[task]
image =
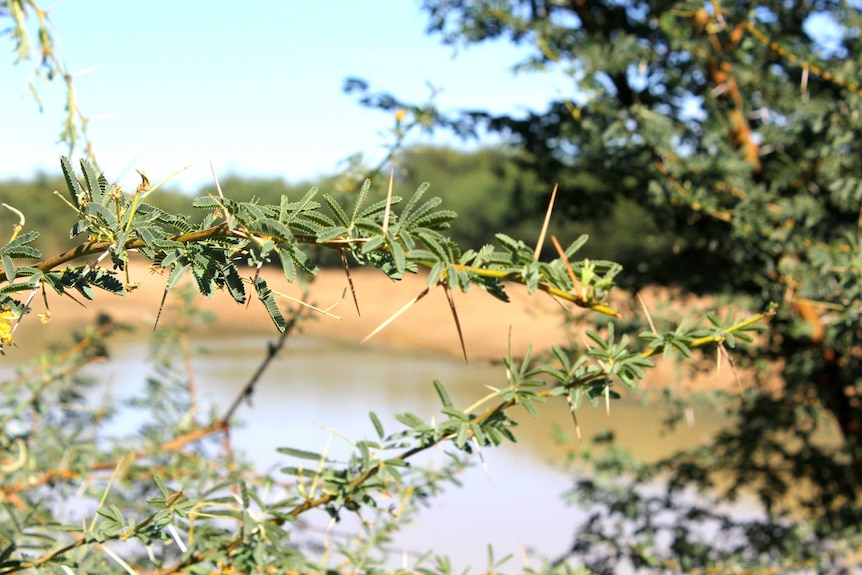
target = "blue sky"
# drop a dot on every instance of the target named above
(255, 87)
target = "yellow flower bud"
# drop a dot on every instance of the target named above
(8, 317)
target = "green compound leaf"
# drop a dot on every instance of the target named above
(378, 427)
(18, 247)
(336, 210)
(265, 295)
(76, 193)
(444, 396)
(410, 420)
(300, 453)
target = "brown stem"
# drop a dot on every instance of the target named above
(271, 353)
(90, 248)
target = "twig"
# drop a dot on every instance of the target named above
(647, 314)
(537, 252)
(395, 316)
(388, 210)
(349, 281)
(271, 353)
(455, 317)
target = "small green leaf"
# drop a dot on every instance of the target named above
(372, 244)
(287, 264)
(72, 183)
(462, 437)
(18, 247)
(207, 203)
(299, 472)
(455, 413)
(378, 427)
(360, 199)
(376, 208)
(410, 420)
(176, 275)
(9, 268)
(413, 218)
(336, 210)
(397, 251)
(364, 453)
(420, 191)
(576, 245)
(331, 233)
(92, 181)
(161, 485)
(300, 453)
(436, 272)
(265, 295)
(442, 393)
(304, 204)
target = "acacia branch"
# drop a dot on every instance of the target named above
(97, 247)
(225, 231)
(508, 404)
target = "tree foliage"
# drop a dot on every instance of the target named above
(738, 126)
(498, 186)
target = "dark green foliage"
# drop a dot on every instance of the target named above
(741, 134)
(504, 190)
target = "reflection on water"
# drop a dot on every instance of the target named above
(317, 386)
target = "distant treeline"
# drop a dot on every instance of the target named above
(490, 189)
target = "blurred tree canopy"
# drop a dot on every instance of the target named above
(500, 189)
(737, 126)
